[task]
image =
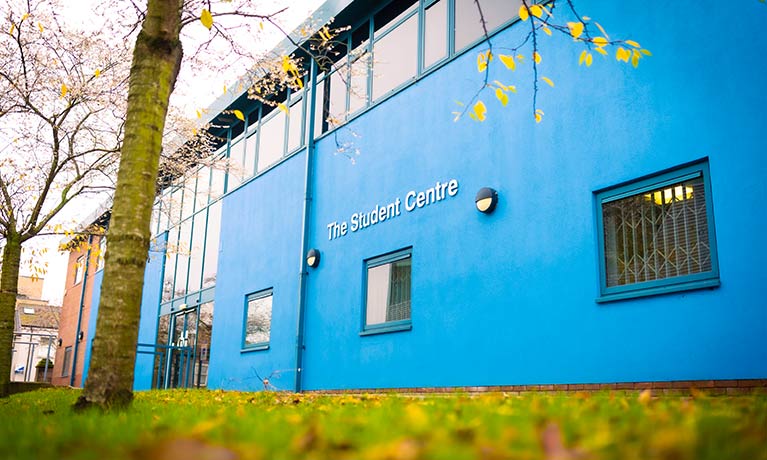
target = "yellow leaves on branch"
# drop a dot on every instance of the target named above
(508, 61)
(523, 13)
(576, 29)
(483, 59)
(238, 114)
(478, 111)
(206, 18)
(64, 90)
(538, 115)
(535, 10)
(536, 57)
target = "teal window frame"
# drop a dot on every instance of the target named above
(388, 326)
(709, 279)
(248, 298)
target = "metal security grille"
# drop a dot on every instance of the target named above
(398, 305)
(657, 234)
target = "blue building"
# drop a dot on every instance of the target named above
(346, 247)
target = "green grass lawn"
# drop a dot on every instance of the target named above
(213, 425)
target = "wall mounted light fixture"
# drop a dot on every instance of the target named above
(313, 258)
(486, 200)
(80, 336)
(60, 341)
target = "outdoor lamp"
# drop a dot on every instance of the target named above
(80, 336)
(486, 200)
(60, 341)
(313, 258)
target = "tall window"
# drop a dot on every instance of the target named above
(657, 235)
(79, 269)
(258, 320)
(67, 362)
(387, 292)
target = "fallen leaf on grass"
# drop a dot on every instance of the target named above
(185, 449)
(553, 445)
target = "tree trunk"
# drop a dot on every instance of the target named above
(9, 286)
(156, 61)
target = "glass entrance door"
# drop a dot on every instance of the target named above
(183, 348)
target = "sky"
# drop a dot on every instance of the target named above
(196, 89)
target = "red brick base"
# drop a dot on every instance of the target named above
(681, 387)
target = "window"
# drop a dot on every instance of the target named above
(468, 26)
(67, 362)
(258, 320)
(79, 269)
(656, 235)
(387, 293)
(102, 252)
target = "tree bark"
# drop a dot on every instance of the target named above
(156, 61)
(9, 286)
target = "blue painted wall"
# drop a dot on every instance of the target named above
(509, 298)
(260, 249)
(94, 313)
(148, 322)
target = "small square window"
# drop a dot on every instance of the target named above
(656, 235)
(67, 362)
(387, 292)
(258, 320)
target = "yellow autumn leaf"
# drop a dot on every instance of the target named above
(508, 61)
(523, 13)
(97, 73)
(589, 59)
(24, 16)
(261, 26)
(546, 30)
(40, 27)
(600, 41)
(548, 81)
(239, 115)
(503, 97)
(635, 59)
(632, 43)
(576, 28)
(478, 111)
(536, 57)
(536, 11)
(602, 29)
(199, 114)
(601, 51)
(224, 89)
(582, 57)
(646, 52)
(538, 117)
(206, 18)
(13, 28)
(282, 107)
(621, 54)
(64, 90)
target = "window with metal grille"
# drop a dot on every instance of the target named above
(657, 235)
(387, 292)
